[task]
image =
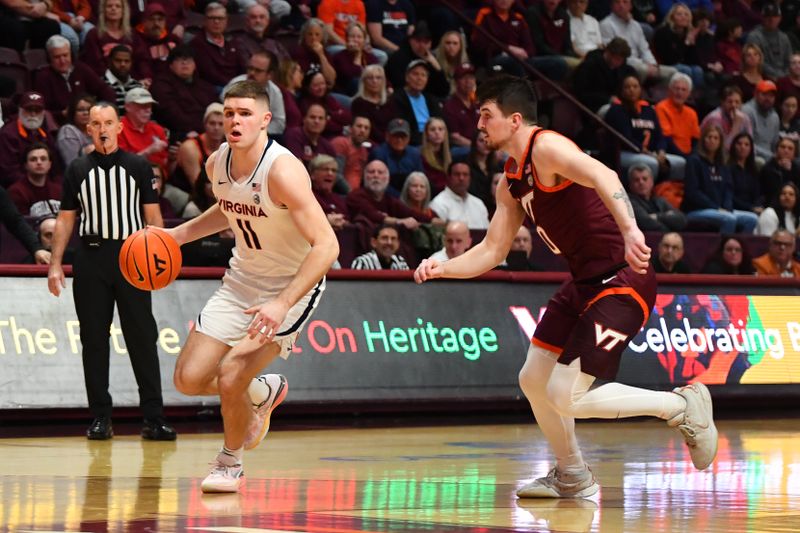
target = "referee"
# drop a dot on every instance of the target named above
(115, 194)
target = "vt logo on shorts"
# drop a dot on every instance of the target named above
(602, 334)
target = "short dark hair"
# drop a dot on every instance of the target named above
(379, 228)
(454, 163)
(120, 48)
(247, 89)
(182, 51)
(35, 146)
(511, 94)
(619, 47)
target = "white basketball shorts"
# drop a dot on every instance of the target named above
(223, 316)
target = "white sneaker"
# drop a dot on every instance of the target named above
(696, 424)
(223, 478)
(259, 424)
(558, 485)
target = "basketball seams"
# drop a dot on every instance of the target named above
(147, 260)
(172, 259)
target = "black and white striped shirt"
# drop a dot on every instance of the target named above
(370, 261)
(109, 190)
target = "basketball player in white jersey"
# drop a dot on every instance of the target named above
(284, 247)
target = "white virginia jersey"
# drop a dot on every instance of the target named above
(268, 243)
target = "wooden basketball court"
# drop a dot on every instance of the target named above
(459, 479)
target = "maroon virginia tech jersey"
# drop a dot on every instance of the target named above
(570, 218)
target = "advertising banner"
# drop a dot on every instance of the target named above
(394, 340)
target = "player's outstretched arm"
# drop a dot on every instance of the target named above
(65, 222)
(557, 155)
(490, 252)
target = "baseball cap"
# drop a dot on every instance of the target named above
(152, 8)
(44, 209)
(765, 86)
(139, 95)
(463, 69)
(421, 31)
(398, 125)
(31, 99)
(771, 10)
(417, 63)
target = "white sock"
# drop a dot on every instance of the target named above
(230, 457)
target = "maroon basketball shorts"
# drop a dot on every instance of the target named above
(595, 321)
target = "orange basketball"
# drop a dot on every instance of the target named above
(150, 259)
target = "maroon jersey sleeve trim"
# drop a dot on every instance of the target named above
(630, 291)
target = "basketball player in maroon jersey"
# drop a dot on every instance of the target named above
(581, 211)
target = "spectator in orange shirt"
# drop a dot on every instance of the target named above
(779, 259)
(354, 150)
(679, 124)
(141, 135)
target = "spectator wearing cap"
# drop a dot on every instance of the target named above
(461, 111)
(38, 184)
(17, 135)
(764, 119)
(24, 21)
(415, 49)
(218, 57)
(259, 69)
(255, 35)
(63, 78)
(400, 158)
(413, 102)
(174, 13)
(390, 22)
(182, 95)
(44, 215)
(154, 36)
(774, 44)
(118, 74)
(140, 134)
(306, 141)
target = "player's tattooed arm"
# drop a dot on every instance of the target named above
(622, 195)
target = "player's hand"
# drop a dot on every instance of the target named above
(637, 253)
(267, 318)
(428, 269)
(55, 280)
(171, 232)
(42, 257)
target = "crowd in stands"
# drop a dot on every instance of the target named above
(377, 98)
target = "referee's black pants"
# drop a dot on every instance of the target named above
(97, 284)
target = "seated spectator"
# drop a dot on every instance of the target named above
(338, 16)
(652, 213)
(790, 124)
(45, 227)
(373, 204)
(38, 185)
(451, 53)
(385, 243)
(549, 23)
(174, 12)
(670, 255)
(183, 96)
(353, 151)
(519, 256)
(728, 46)
(461, 111)
(259, 70)
(17, 135)
(19, 228)
(743, 10)
(728, 117)
(118, 74)
(620, 23)
(705, 54)
(731, 258)
(783, 214)
(584, 29)
(154, 37)
(315, 91)
(217, 56)
(26, 21)
(782, 168)
(752, 71)
(201, 197)
(417, 49)
(772, 41)
(255, 36)
(194, 151)
(172, 200)
(310, 50)
(371, 101)
(764, 120)
(350, 62)
(455, 203)
(779, 259)
(742, 165)
(637, 121)
(483, 163)
(50, 81)
(601, 72)
(416, 194)
(674, 43)
(74, 18)
(435, 153)
(73, 140)
(323, 169)
(457, 240)
(678, 121)
(114, 28)
(413, 103)
(390, 22)
(140, 134)
(289, 80)
(307, 141)
(400, 158)
(708, 196)
(790, 85)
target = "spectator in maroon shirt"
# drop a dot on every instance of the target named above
(461, 111)
(315, 91)
(17, 135)
(350, 62)
(37, 185)
(323, 169)
(113, 28)
(307, 141)
(25, 21)
(154, 36)
(218, 57)
(61, 79)
(289, 79)
(255, 37)
(310, 50)
(371, 101)
(173, 11)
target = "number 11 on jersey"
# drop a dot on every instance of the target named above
(250, 237)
